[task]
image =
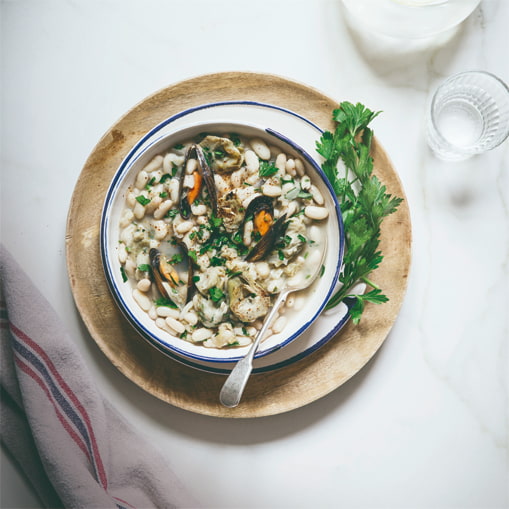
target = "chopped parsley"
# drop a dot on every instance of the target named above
(267, 169)
(163, 301)
(141, 199)
(216, 294)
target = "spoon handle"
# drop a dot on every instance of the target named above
(236, 382)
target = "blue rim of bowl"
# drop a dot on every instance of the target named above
(170, 350)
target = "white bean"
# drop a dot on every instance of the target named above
(191, 165)
(271, 190)
(317, 195)
(201, 334)
(275, 285)
(260, 148)
(130, 268)
(170, 160)
(191, 318)
(299, 167)
(305, 183)
(139, 211)
(199, 210)
(290, 167)
(160, 230)
(155, 164)
(165, 311)
(163, 208)
(237, 178)
(142, 258)
(175, 325)
(221, 184)
(243, 340)
(141, 179)
(184, 227)
(317, 213)
(161, 323)
(281, 162)
(142, 300)
(287, 186)
(144, 285)
(263, 269)
(153, 204)
(189, 181)
(279, 325)
(131, 199)
(152, 313)
(122, 253)
(291, 209)
(252, 162)
(173, 188)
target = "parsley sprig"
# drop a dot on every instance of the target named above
(363, 199)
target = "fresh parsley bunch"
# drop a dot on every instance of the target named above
(363, 199)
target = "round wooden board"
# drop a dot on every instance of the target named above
(271, 393)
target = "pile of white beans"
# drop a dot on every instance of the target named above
(153, 220)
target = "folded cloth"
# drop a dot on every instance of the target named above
(73, 446)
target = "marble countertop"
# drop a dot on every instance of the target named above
(425, 423)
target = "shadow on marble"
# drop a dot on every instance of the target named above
(220, 430)
(402, 61)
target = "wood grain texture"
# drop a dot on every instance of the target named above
(271, 393)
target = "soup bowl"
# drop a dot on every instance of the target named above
(194, 252)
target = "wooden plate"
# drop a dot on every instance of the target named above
(271, 393)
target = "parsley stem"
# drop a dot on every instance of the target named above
(370, 283)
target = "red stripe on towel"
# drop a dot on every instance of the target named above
(100, 468)
(32, 374)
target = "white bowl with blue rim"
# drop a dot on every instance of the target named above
(277, 127)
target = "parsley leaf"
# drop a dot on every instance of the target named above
(267, 169)
(216, 294)
(141, 199)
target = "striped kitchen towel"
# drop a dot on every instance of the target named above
(74, 448)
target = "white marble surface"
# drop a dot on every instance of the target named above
(425, 423)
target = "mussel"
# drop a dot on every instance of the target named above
(248, 300)
(223, 155)
(167, 279)
(202, 175)
(261, 211)
(268, 241)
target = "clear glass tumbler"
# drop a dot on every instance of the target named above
(468, 115)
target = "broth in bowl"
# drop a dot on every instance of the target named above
(212, 230)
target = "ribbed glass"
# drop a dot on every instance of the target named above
(469, 114)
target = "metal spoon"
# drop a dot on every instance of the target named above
(233, 388)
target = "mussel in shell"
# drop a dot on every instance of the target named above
(261, 211)
(168, 280)
(202, 175)
(268, 241)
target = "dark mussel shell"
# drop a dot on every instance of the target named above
(258, 204)
(208, 178)
(166, 281)
(265, 245)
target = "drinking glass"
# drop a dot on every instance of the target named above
(468, 115)
(409, 19)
